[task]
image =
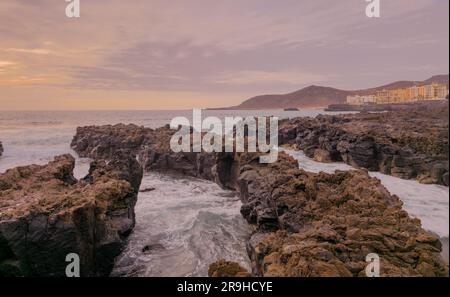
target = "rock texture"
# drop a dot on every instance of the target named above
(1, 149)
(326, 225)
(102, 142)
(45, 214)
(305, 224)
(410, 144)
(224, 268)
(152, 149)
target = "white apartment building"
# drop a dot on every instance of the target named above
(361, 100)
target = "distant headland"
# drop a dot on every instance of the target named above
(323, 97)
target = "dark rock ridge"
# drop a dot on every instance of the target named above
(45, 214)
(1, 149)
(410, 144)
(152, 148)
(305, 224)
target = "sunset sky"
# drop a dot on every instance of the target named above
(174, 54)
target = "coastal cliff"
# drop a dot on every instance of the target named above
(46, 214)
(305, 224)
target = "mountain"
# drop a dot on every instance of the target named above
(319, 96)
(440, 79)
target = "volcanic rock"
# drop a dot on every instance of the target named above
(224, 268)
(306, 224)
(46, 214)
(326, 225)
(410, 144)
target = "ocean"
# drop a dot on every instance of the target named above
(36, 137)
(186, 223)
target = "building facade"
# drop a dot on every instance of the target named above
(405, 95)
(361, 100)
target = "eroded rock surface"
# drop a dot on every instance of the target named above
(46, 214)
(152, 148)
(102, 142)
(326, 225)
(410, 144)
(224, 268)
(306, 224)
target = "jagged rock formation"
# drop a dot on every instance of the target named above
(152, 148)
(102, 142)
(326, 224)
(410, 144)
(45, 214)
(305, 224)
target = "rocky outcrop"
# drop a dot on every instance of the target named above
(224, 268)
(102, 142)
(46, 214)
(326, 225)
(305, 224)
(410, 144)
(1, 149)
(152, 148)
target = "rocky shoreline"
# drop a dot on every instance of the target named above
(46, 214)
(305, 224)
(382, 107)
(410, 144)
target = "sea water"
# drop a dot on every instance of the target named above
(181, 227)
(185, 223)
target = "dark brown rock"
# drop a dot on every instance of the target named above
(45, 214)
(329, 223)
(310, 224)
(224, 268)
(410, 144)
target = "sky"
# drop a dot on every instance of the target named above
(178, 54)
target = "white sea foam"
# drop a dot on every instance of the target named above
(187, 224)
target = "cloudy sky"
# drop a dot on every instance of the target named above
(172, 54)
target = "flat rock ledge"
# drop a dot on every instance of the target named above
(46, 214)
(305, 224)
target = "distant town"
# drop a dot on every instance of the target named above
(406, 95)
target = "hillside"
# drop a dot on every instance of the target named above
(319, 96)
